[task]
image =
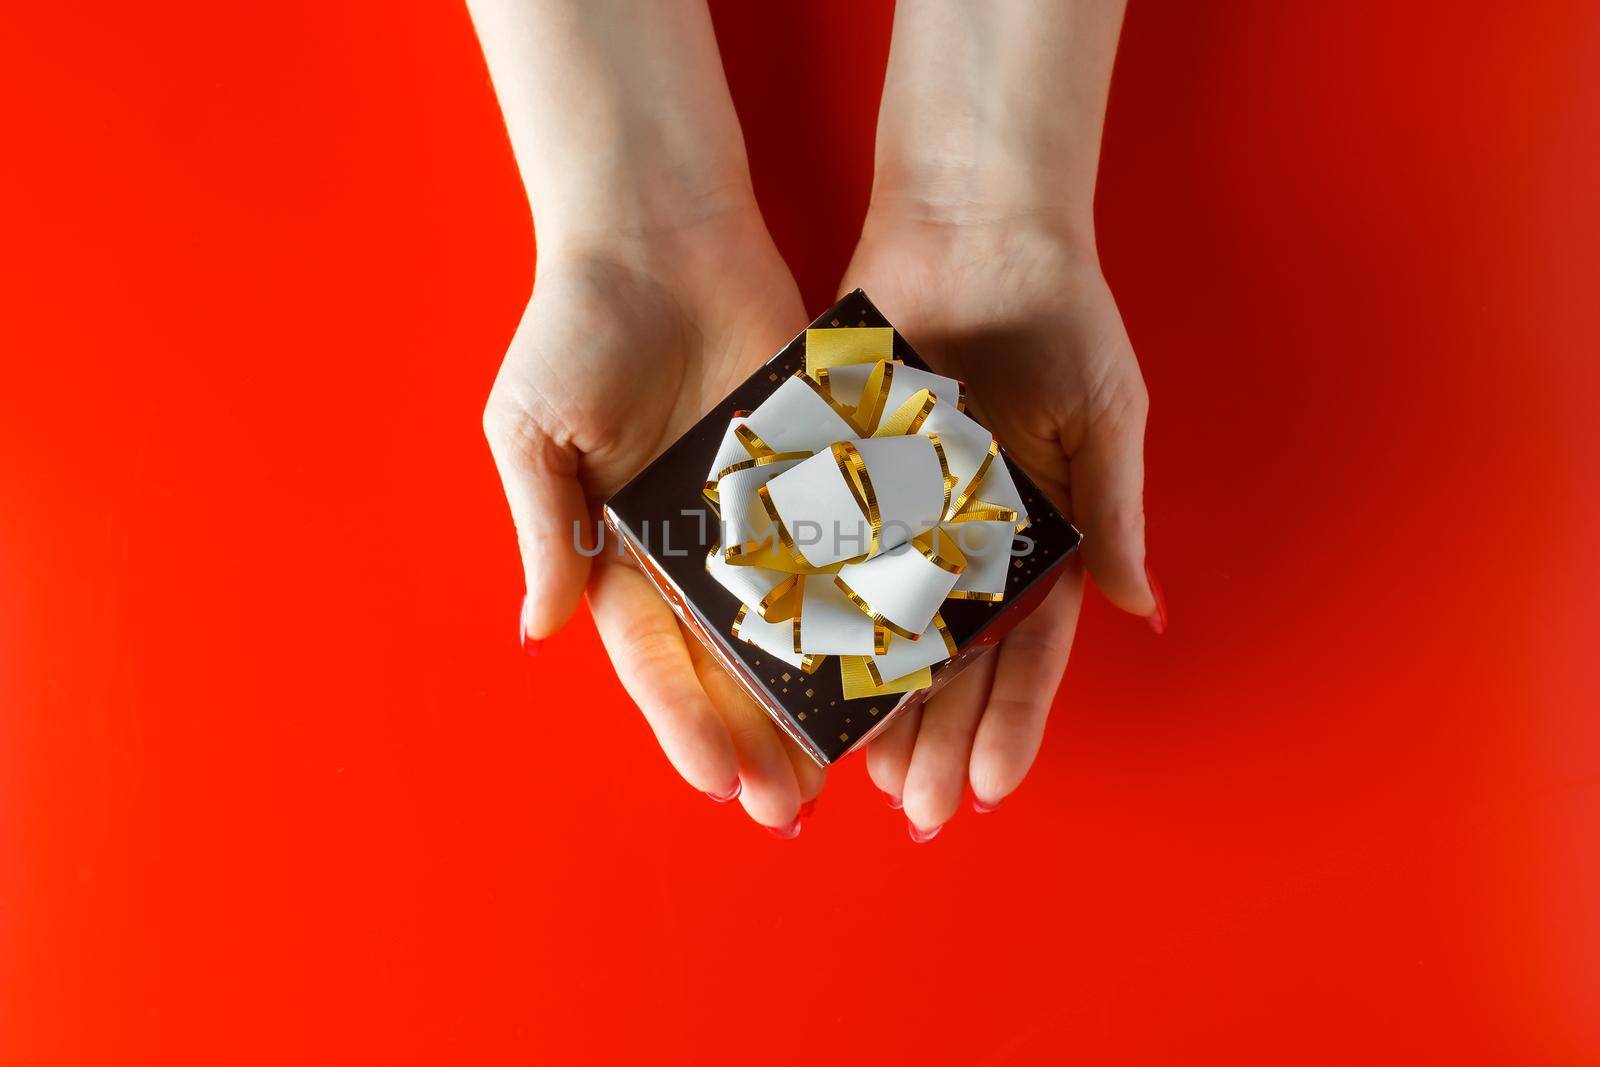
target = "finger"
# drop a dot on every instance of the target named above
(1026, 674)
(642, 638)
(938, 772)
(547, 506)
(810, 776)
(771, 795)
(889, 755)
(1108, 498)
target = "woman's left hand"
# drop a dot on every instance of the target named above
(1020, 313)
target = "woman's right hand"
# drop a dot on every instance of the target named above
(658, 290)
(631, 335)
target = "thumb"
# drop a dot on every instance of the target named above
(1108, 504)
(540, 477)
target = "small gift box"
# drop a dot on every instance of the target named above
(840, 534)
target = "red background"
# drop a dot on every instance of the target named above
(278, 786)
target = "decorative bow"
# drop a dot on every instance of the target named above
(854, 501)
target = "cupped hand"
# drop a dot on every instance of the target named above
(624, 345)
(1021, 313)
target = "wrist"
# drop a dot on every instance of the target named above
(993, 112)
(619, 119)
(958, 199)
(969, 171)
(977, 222)
(680, 248)
(633, 195)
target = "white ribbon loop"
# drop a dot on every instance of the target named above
(774, 638)
(1000, 489)
(904, 587)
(799, 416)
(987, 548)
(969, 449)
(859, 498)
(729, 452)
(772, 595)
(903, 657)
(829, 624)
(746, 526)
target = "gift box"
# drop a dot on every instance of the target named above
(840, 534)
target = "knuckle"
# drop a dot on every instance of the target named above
(701, 748)
(1011, 709)
(506, 424)
(537, 537)
(522, 437)
(1127, 524)
(1041, 652)
(652, 651)
(1130, 401)
(1118, 524)
(1122, 402)
(749, 733)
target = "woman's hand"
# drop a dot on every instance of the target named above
(979, 246)
(1018, 310)
(657, 291)
(624, 345)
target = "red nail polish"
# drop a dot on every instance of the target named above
(1157, 618)
(727, 794)
(981, 808)
(890, 799)
(788, 833)
(807, 808)
(919, 836)
(530, 646)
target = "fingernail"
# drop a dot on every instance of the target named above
(529, 645)
(727, 794)
(1157, 618)
(788, 833)
(807, 808)
(980, 807)
(890, 799)
(919, 836)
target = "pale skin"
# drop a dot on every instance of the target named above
(658, 290)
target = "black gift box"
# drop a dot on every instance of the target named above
(668, 527)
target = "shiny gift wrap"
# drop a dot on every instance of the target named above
(858, 536)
